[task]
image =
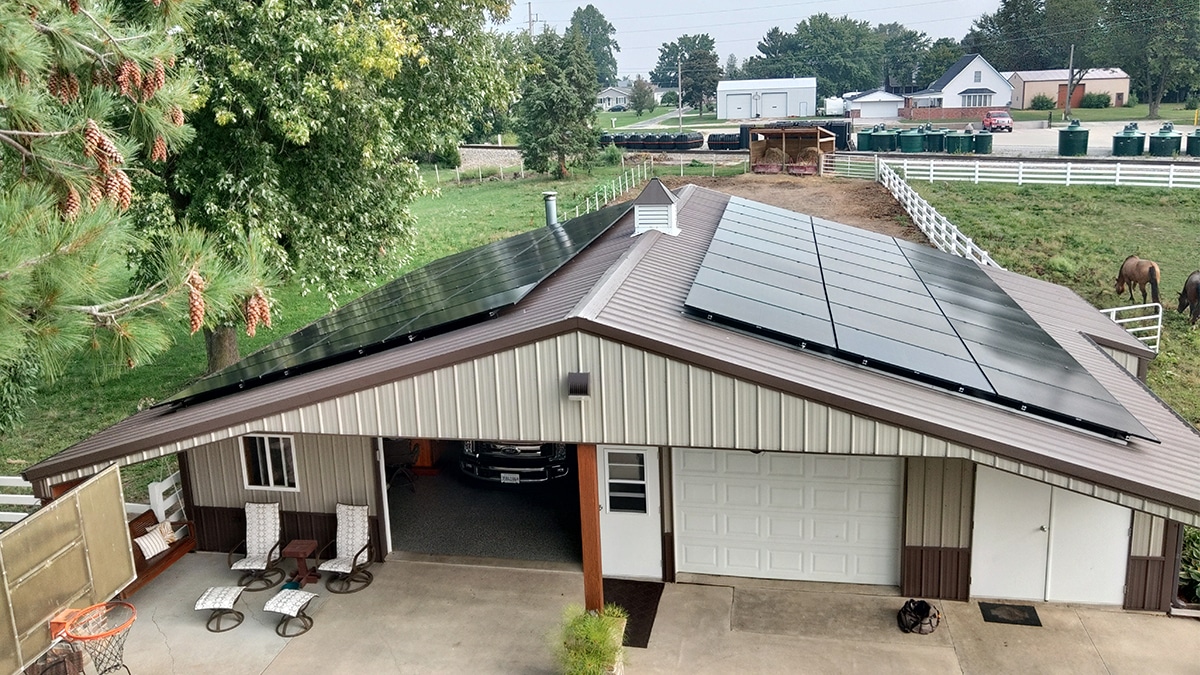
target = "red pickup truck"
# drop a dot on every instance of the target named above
(997, 120)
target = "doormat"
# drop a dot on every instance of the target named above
(640, 600)
(1021, 615)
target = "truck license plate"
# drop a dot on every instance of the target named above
(510, 478)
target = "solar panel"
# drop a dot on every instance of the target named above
(895, 306)
(445, 294)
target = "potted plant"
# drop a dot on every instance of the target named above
(1189, 574)
(590, 641)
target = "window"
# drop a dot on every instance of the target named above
(269, 462)
(626, 482)
(979, 76)
(976, 100)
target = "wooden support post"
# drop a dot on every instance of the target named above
(589, 527)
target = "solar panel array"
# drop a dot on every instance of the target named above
(895, 306)
(445, 294)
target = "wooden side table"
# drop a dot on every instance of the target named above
(301, 550)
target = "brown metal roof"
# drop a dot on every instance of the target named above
(632, 289)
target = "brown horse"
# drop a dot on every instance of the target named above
(1141, 272)
(1190, 295)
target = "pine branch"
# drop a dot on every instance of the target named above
(46, 30)
(7, 138)
(107, 313)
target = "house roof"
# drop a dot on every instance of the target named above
(1061, 74)
(940, 84)
(775, 83)
(632, 290)
(877, 94)
(977, 90)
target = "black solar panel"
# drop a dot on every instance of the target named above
(445, 294)
(895, 306)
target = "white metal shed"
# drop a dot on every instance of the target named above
(755, 99)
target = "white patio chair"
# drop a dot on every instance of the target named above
(260, 567)
(348, 570)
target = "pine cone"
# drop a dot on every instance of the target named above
(95, 194)
(129, 78)
(154, 80)
(72, 91)
(73, 5)
(195, 284)
(52, 83)
(69, 205)
(159, 152)
(118, 188)
(251, 312)
(91, 138)
(176, 114)
(264, 309)
(108, 150)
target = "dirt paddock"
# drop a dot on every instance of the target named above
(849, 201)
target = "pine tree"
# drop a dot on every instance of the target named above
(556, 113)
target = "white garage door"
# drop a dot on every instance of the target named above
(737, 106)
(774, 104)
(788, 516)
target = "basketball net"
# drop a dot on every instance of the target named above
(101, 631)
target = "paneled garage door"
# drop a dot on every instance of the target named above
(788, 516)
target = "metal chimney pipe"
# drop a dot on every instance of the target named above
(551, 207)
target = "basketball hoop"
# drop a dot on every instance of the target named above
(101, 630)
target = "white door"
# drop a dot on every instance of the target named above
(630, 512)
(780, 515)
(1034, 541)
(737, 106)
(774, 104)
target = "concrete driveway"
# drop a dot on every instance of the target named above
(424, 617)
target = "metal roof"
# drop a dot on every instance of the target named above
(632, 290)
(776, 83)
(1061, 74)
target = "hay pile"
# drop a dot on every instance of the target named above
(775, 156)
(809, 156)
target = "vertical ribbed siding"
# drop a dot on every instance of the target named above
(1146, 539)
(938, 510)
(1125, 359)
(329, 469)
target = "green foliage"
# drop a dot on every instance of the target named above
(1189, 570)
(903, 50)
(671, 99)
(843, 54)
(1155, 41)
(589, 642)
(556, 114)
(1041, 102)
(1131, 100)
(1095, 100)
(597, 34)
(611, 155)
(938, 58)
(18, 383)
(641, 99)
(1040, 34)
(692, 59)
(1191, 103)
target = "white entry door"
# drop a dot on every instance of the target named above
(630, 512)
(1034, 541)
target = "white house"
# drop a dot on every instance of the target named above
(753, 99)
(622, 93)
(970, 87)
(874, 105)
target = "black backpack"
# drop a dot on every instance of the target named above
(918, 616)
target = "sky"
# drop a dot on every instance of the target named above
(738, 25)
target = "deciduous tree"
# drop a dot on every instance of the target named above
(556, 113)
(597, 34)
(641, 98)
(1155, 41)
(692, 59)
(843, 54)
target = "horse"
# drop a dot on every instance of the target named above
(1141, 272)
(1190, 295)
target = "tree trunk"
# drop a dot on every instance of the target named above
(221, 344)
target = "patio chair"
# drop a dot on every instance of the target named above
(260, 567)
(348, 571)
(399, 457)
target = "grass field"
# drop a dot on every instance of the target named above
(1138, 113)
(1078, 237)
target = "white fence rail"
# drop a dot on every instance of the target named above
(16, 492)
(1136, 174)
(1143, 322)
(608, 192)
(165, 499)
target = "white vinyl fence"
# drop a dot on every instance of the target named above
(1143, 322)
(165, 499)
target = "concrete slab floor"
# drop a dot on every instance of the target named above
(427, 617)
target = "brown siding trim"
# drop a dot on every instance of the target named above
(1152, 582)
(185, 481)
(1173, 550)
(589, 527)
(935, 572)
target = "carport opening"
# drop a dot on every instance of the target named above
(446, 511)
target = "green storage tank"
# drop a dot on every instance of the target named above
(935, 140)
(864, 139)
(983, 143)
(959, 142)
(912, 140)
(1165, 141)
(1129, 142)
(1193, 144)
(1073, 140)
(881, 140)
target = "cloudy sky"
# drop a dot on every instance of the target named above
(738, 25)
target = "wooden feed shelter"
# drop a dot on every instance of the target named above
(795, 150)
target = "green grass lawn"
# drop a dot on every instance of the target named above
(1078, 237)
(1173, 112)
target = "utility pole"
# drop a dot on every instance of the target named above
(530, 6)
(679, 76)
(1070, 83)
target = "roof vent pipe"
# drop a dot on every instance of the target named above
(551, 208)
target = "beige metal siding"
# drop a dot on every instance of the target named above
(329, 469)
(1126, 360)
(939, 496)
(1146, 540)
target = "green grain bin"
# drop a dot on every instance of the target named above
(864, 139)
(1129, 142)
(912, 140)
(1073, 140)
(882, 140)
(1165, 142)
(959, 142)
(1193, 144)
(935, 140)
(983, 143)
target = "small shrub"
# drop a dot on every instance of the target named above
(1189, 571)
(1095, 100)
(1041, 102)
(1132, 100)
(588, 643)
(670, 99)
(611, 155)
(1192, 102)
